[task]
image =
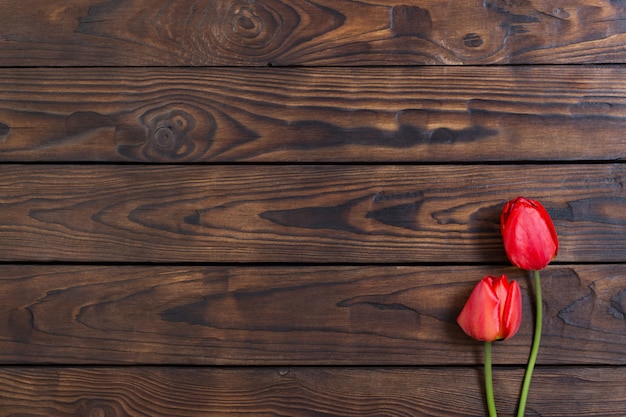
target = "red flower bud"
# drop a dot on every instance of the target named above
(529, 236)
(493, 310)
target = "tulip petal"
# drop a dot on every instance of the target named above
(493, 310)
(501, 289)
(512, 316)
(480, 316)
(528, 233)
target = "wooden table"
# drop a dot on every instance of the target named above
(278, 208)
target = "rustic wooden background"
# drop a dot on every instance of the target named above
(278, 208)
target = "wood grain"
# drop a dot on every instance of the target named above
(278, 207)
(307, 213)
(320, 32)
(314, 115)
(303, 392)
(315, 315)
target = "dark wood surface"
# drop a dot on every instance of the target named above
(278, 208)
(286, 315)
(320, 32)
(303, 392)
(301, 213)
(392, 114)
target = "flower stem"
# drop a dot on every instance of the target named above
(491, 402)
(535, 347)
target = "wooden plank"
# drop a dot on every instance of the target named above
(296, 315)
(299, 32)
(303, 392)
(310, 213)
(427, 114)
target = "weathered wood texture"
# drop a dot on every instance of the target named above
(303, 392)
(290, 315)
(300, 213)
(332, 211)
(313, 114)
(301, 32)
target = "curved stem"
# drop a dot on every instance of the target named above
(491, 402)
(535, 347)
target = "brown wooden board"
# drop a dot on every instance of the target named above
(315, 315)
(302, 32)
(303, 392)
(300, 213)
(458, 114)
(279, 207)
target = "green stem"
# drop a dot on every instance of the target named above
(535, 348)
(491, 402)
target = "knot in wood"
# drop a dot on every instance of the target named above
(169, 132)
(174, 133)
(247, 23)
(98, 412)
(472, 40)
(99, 408)
(250, 25)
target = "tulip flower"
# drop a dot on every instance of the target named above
(529, 236)
(493, 310)
(531, 244)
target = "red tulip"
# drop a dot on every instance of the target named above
(493, 310)
(529, 236)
